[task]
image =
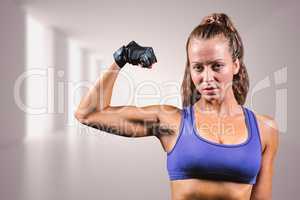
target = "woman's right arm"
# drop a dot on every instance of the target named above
(99, 95)
(130, 121)
(94, 110)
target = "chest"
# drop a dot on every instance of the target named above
(221, 131)
(194, 156)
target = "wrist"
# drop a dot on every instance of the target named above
(120, 57)
(115, 66)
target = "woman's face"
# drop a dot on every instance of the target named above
(211, 67)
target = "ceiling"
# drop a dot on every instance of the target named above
(102, 26)
(99, 23)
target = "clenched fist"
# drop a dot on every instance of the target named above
(135, 54)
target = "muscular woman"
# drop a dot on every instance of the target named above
(216, 147)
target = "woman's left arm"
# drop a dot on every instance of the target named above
(262, 190)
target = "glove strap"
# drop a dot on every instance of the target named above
(120, 57)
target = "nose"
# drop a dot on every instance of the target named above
(208, 75)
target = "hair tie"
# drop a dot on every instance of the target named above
(218, 20)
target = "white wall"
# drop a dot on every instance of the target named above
(61, 65)
(40, 74)
(12, 119)
(58, 73)
(12, 63)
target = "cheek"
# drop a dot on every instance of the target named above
(225, 79)
(227, 74)
(196, 77)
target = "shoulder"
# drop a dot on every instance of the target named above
(166, 110)
(166, 115)
(169, 117)
(268, 129)
(159, 110)
(267, 121)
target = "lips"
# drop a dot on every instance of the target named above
(209, 88)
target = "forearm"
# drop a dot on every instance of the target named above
(99, 95)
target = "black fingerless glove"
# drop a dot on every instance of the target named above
(135, 54)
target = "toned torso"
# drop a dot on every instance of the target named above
(197, 189)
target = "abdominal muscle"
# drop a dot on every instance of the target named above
(199, 189)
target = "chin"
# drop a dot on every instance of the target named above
(214, 97)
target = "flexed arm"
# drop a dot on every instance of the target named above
(94, 109)
(99, 95)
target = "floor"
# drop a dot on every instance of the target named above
(70, 164)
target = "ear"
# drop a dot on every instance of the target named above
(236, 66)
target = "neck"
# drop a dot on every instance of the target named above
(228, 106)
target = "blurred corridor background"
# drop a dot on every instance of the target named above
(52, 51)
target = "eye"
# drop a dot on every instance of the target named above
(217, 66)
(198, 68)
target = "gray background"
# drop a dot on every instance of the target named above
(67, 162)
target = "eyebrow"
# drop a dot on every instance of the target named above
(208, 62)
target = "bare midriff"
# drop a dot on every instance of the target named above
(197, 189)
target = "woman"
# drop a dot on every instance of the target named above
(235, 162)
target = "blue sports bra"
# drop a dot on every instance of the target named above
(196, 157)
